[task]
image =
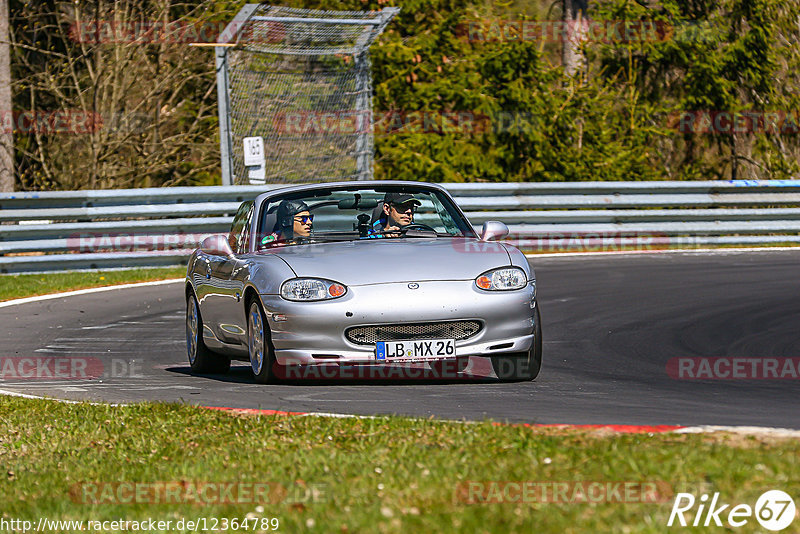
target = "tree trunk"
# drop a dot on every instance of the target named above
(6, 137)
(573, 15)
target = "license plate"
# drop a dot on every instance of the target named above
(415, 349)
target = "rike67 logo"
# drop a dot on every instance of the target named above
(774, 510)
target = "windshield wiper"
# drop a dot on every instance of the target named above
(308, 240)
(332, 238)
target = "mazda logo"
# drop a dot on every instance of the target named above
(413, 285)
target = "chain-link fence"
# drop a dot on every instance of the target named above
(301, 80)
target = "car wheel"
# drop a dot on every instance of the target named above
(521, 366)
(201, 360)
(258, 347)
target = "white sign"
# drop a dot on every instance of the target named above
(253, 151)
(254, 159)
(257, 176)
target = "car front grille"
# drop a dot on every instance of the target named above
(367, 335)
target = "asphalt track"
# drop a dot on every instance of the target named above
(611, 324)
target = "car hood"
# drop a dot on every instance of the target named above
(378, 261)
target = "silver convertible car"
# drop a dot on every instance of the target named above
(360, 274)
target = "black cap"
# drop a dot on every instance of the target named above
(396, 197)
(287, 210)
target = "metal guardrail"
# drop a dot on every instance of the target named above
(48, 231)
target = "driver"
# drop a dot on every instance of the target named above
(294, 222)
(398, 211)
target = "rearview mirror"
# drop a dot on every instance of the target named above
(353, 203)
(216, 245)
(493, 230)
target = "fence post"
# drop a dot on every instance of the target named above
(222, 108)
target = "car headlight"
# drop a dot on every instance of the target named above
(503, 279)
(310, 289)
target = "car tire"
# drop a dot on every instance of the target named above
(525, 366)
(201, 359)
(262, 358)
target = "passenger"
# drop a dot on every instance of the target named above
(398, 211)
(294, 223)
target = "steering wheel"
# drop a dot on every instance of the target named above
(414, 226)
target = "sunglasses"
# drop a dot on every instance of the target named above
(305, 219)
(402, 208)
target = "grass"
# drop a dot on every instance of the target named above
(386, 474)
(14, 286)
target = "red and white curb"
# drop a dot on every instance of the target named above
(744, 430)
(618, 429)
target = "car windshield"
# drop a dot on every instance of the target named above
(347, 214)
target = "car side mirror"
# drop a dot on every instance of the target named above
(216, 245)
(493, 230)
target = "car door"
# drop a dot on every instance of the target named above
(219, 305)
(231, 273)
(240, 273)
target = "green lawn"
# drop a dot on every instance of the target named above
(387, 474)
(14, 286)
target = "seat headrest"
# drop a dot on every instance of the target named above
(269, 222)
(377, 213)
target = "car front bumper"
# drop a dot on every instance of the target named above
(305, 333)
